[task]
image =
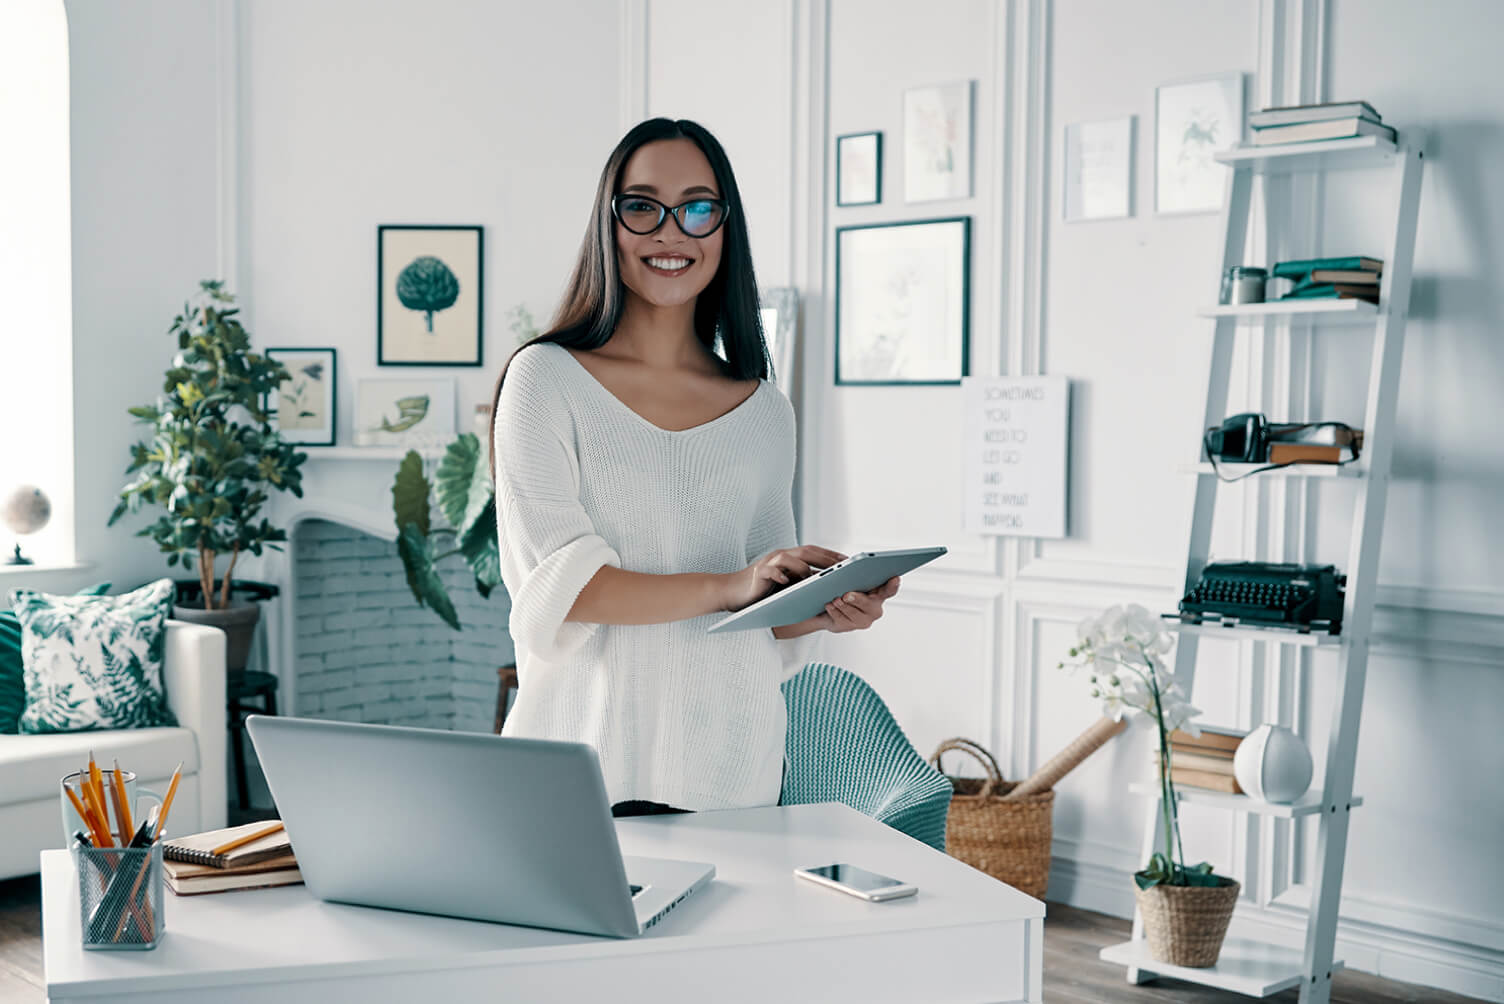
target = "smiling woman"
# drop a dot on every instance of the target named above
(644, 485)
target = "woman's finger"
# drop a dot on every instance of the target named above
(795, 567)
(840, 619)
(822, 556)
(865, 604)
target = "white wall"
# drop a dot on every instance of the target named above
(388, 112)
(970, 647)
(145, 230)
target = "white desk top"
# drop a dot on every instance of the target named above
(285, 934)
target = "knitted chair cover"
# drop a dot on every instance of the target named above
(844, 746)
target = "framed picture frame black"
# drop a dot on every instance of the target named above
(308, 402)
(859, 169)
(903, 302)
(430, 296)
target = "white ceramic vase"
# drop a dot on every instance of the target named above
(1273, 764)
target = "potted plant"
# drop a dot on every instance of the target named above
(1186, 910)
(212, 456)
(467, 501)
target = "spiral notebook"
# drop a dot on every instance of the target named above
(196, 849)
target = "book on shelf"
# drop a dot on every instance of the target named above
(1301, 268)
(1352, 276)
(1310, 132)
(198, 848)
(1296, 114)
(1333, 291)
(186, 879)
(1210, 739)
(1198, 761)
(1209, 780)
(1306, 453)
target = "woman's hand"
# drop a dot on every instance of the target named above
(855, 611)
(772, 572)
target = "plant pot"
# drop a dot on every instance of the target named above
(238, 623)
(1185, 924)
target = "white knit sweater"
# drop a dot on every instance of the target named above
(677, 715)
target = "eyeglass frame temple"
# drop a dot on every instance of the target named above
(665, 211)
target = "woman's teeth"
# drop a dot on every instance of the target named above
(668, 264)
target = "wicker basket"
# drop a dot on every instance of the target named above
(1009, 840)
(1185, 924)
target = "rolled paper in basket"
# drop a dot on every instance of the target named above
(1068, 759)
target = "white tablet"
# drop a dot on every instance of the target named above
(804, 599)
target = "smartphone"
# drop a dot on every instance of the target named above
(858, 882)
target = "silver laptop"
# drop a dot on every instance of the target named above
(517, 831)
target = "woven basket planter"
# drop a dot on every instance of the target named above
(1009, 840)
(1185, 924)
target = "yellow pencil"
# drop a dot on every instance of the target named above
(95, 779)
(127, 830)
(248, 838)
(172, 790)
(83, 813)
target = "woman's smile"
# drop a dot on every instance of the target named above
(668, 264)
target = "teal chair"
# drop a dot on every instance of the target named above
(844, 746)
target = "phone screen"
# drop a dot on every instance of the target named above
(857, 878)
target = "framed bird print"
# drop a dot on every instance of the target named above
(428, 295)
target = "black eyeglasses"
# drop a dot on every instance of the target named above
(643, 215)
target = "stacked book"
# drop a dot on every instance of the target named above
(1204, 761)
(1315, 123)
(1332, 278)
(242, 857)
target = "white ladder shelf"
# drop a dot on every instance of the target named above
(1245, 966)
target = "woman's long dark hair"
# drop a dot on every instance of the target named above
(592, 303)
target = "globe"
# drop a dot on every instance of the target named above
(25, 509)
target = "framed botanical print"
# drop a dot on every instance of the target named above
(937, 142)
(429, 302)
(902, 302)
(306, 402)
(859, 169)
(1193, 121)
(417, 412)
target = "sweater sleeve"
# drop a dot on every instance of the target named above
(549, 548)
(773, 528)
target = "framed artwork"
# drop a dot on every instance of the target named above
(859, 169)
(780, 328)
(399, 412)
(305, 402)
(1193, 120)
(937, 142)
(902, 302)
(428, 295)
(1099, 170)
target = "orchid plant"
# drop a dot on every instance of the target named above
(1126, 648)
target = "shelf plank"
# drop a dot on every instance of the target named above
(1293, 471)
(1244, 632)
(1313, 310)
(385, 454)
(1245, 966)
(1319, 155)
(1309, 804)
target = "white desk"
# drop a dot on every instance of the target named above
(755, 934)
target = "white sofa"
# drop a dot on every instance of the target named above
(31, 766)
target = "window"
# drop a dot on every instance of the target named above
(36, 287)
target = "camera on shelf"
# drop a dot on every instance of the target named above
(1250, 438)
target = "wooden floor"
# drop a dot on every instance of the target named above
(1072, 972)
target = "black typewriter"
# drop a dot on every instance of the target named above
(1303, 597)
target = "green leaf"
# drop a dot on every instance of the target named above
(410, 494)
(481, 550)
(464, 483)
(145, 412)
(422, 578)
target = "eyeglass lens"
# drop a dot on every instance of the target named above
(642, 215)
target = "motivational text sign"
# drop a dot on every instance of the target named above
(1015, 455)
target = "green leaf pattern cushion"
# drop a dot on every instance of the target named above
(12, 687)
(94, 662)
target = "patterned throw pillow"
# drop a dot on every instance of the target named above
(12, 688)
(94, 662)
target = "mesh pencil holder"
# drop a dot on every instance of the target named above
(120, 896)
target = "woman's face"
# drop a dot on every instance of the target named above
(668, 268)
